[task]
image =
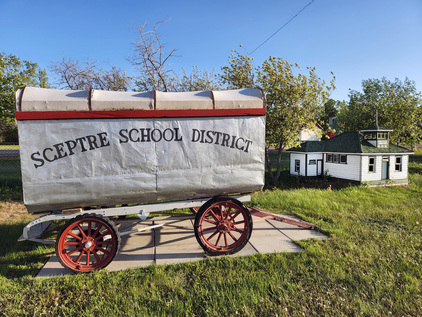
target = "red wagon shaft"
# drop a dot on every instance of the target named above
(267, 215)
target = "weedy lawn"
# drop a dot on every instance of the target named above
(370, 266)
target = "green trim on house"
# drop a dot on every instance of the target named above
(384, 182)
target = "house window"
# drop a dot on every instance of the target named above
(370, 136)
(398, 163)
(336, 158)
(372, 164)
(312, 162)
(297, 166)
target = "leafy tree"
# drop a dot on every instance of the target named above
(293, 99)
(15, 73)
(199, 80)
(398, 104)
(330, 110)
(72, 75)
(240, 73)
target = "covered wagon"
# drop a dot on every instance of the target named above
(87, 156)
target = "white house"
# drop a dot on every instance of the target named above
(310, 134)
(366, 157)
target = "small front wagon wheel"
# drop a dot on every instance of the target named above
(88, 242)
(223, 226)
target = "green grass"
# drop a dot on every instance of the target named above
(9, 146)
(370, 266)
(10, 180)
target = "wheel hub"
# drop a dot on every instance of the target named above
(88, 244)
(224, 226)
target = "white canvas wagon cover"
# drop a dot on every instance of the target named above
(86, 148)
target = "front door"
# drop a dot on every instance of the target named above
(385, 166)
(319, 167)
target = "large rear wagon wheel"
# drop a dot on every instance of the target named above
(223, 226)
(86, 243)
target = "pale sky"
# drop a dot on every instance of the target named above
(355, 39)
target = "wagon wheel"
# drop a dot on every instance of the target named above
(87, 242)
(223, 226)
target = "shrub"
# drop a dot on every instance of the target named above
(8, 132)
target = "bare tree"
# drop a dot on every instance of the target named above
(71, 74)
(151, 60)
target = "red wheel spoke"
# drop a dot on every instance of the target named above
(213, 222)
(97, 230)
(216, 217)
(72, 243)
(212, 236)
(225, 239)
(75, 236)
(102, 236)
(80, 256)
(96, 256)
(221, 213)
(209, 229)
(89, 228)
(81, 231)
(102, 250)
(74, 250)
(238, 230)
(227, 212)
(218, 239)
(233, 237)
(104, 242)
(87, 257)
(234, 215)
(238, 223)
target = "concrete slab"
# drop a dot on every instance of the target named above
(52, 268)
(296, 233)
(175, 243)
(135, 250)
(267, 239)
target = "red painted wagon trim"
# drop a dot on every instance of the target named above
(257, 212)
(117, 114)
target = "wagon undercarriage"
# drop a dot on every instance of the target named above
(90, 239)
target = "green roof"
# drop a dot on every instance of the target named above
(348, 142)
(309, 146)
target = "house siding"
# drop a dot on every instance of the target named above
(293, 158)
(404, 166)
(312, 169)
(392, 173)
(371, 176)
(350, 171)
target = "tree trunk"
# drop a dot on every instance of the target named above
(273, 176)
